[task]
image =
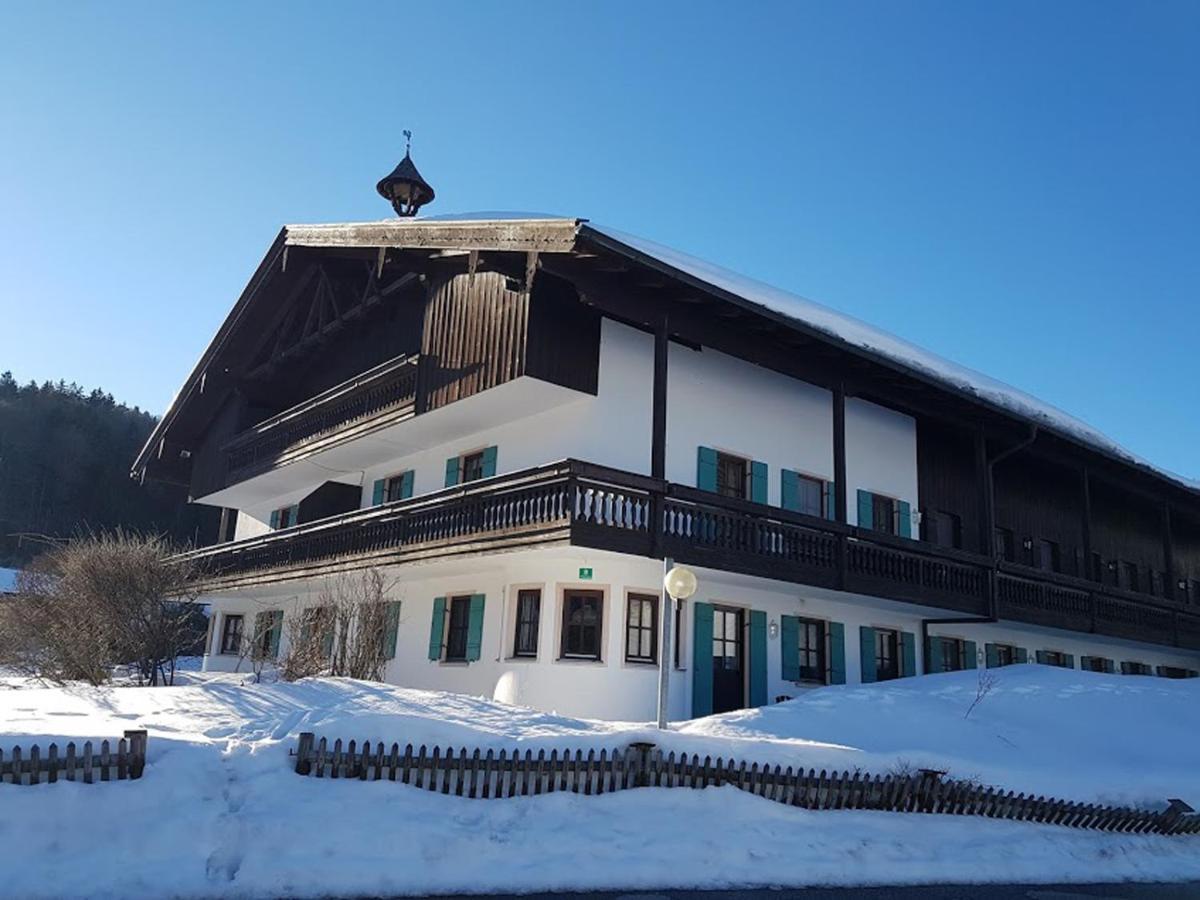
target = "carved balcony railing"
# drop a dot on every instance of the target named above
(578, 503)
(379, 396)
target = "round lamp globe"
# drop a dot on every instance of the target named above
(680, 582)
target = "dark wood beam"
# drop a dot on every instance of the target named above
(658, 434)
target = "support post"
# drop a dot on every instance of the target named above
(304, 753)
(137, 740)
(667, 604)
(839, 452)
(1089, 570)
(1169, 587)
(658, 434)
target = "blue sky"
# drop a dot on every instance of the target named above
(1014, 186)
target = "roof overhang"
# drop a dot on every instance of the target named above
(531, 234)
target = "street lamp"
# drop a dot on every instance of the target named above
(679, 583)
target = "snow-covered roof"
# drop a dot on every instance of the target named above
(554, 233)
(858, 333)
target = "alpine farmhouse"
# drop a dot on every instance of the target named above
(517, 419)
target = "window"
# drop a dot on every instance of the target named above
(1175, 672)
(677, 634)
(887, 654)
(583, 617)
(1136, 668)
(231, 634)
(883, 514)
(1001, 655)
(812, 650)
(397, 487)
(641, 628)
(227, 529)
(317, 625)
(1048, 556)
(456, 630)
(285, 517)
(1131, 576)
(472, 467)
(1095, 664)
(267, 626)
(732, 476)
(810, 496)
(1005, 545)
(942, 529)
(1053, 658)
(954, 654)
(529, 615)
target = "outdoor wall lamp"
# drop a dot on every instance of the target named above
(773, 629)
(405, 189)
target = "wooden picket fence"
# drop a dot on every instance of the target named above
(494, 775)
(91, 765)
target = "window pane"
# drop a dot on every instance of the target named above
(811, 491)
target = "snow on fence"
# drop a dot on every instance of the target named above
(128, 761)
(491, 775)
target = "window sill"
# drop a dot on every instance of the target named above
(584, 660)
(642, 663)
(521, 659)
(455, 663)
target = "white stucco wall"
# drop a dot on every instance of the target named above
(613, 688)
(881, 455)
(719, 401)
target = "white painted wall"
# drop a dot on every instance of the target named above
(612, 428)
(719, 401)
(881, 455)
(613, 688)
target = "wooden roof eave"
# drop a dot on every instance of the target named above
(591, 237)
(514, 235)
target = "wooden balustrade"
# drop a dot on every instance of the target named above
(577, 503)
(387, 391)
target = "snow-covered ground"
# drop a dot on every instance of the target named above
(220, 812)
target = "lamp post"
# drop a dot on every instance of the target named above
(679, 583)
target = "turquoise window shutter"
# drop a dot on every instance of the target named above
(992, 655)
(758, 482)
(1041, 657)
(276, 631)
(1124, 668)
(377, 491)
(934, 661)
(971, 652)
(758, 658)
(406, 484)
(1108, 667)
(1085, 662)
(452, 471)
(830, 500)
(702, 661)
(866, 510)
(327, 641)
(789, 647)
(275, 520)
(475, 628)
(706, 468)
(908, 656)
(437, 626)
(489, 461)
(1022, 655)
(296, 514)
(904, 519)
(789, 489)
(391, 624)
(866, 653)
(837, 653)
(1068, 661)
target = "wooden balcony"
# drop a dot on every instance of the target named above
(380, 396)
(580, 504)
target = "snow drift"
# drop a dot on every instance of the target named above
(220, 811)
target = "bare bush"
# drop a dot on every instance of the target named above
(346, 633)
(983, 687)
(100, 601)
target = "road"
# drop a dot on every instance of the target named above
(1189, 891)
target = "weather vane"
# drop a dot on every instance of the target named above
(407, 141)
